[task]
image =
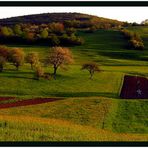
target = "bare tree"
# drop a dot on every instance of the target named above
(91, 67)
(59, 56)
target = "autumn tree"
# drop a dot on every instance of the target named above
(4, 51)
(32, 58)
(57, 28)
(58, 57)
(3, 56)
(39, 71)
(17, 29)
(29, 36)
(91, 67)
(16, 56)
(44, 34)
(6, 31)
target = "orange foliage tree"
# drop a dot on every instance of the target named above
(59, 56)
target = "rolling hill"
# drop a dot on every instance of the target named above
(89, 110)
(47, 18)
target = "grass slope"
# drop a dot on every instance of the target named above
(22, 128)
(121, 116)
(94, 103)
(115, 61)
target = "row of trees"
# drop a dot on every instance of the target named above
(51, 34)
(134, 40)
(58, 57)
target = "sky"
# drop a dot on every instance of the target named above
(130, 14)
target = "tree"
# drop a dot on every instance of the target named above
(59, 56)
(91, 67)
(57, 28)
(29, 36)
(3, 56)
(4, 52)
(32, 58)
(70, 31)
(55, 40)
(44, 34)
(17, 29)
(2, 62)
(16, 56)
(39, 72)
(4, 31)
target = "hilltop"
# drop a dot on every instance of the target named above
(46, 18)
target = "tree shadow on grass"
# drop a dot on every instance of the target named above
(123, 55)
(84, 94)
(20, 77)
(30, 75)
(17, 74)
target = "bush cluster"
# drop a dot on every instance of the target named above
(47, 34)
(134, 40)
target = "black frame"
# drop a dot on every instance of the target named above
(74, 4)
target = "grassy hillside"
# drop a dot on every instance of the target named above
(119, 116)
(89, 105)
(37, 129)
(114, 59)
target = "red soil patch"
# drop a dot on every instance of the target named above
(134, 88)
(28, 102)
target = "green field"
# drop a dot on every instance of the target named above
(88, 105)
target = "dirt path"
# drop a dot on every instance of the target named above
(26, 102)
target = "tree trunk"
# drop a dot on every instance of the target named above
(54, 73)
(91, 75)
(31, 66)
(1, 68)
(17, 67)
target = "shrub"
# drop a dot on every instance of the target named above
(136, 44)
(70, 31)
(91, 29)
(134, 40)
(17, 29)
(6, 31)
(32, 58)
(55, 40)
(39, 72)
(44, 34)
(71, 40)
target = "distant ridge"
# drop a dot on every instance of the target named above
(46, 18)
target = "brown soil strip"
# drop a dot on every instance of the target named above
(28, 102)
